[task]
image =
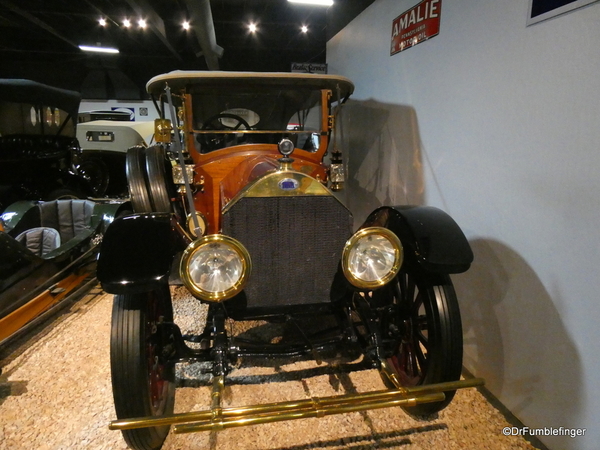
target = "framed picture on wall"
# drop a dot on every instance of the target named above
(545, 9)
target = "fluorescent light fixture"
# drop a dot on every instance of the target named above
(89, 48)
(313, 2)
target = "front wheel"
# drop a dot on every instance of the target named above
(425, 329)
(142, 377)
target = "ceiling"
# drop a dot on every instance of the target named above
(40, 40)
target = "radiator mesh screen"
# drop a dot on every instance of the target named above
(295, 244)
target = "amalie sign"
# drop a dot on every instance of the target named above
(416, 25)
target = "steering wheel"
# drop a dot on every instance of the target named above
(210, 142)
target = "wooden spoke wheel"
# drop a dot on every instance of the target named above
(423, 323)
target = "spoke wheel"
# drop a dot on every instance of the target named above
(96, 172)
(426, 331)
(142, 378)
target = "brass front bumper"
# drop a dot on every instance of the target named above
(218, 418)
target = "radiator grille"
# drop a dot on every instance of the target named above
(295, 244)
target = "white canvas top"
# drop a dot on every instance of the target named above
(179, 80)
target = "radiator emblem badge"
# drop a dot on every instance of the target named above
(289, 184)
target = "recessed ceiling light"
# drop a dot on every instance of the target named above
(186, 25)
(304, 29)
(252, 27)
(142, 23)
(126, 23)
(90, 48)
(313, 2)
(102, 21)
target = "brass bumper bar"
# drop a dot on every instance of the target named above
(218, 418)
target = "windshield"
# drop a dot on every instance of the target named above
(234, 116)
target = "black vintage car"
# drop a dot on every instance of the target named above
(38, 147)
(49, 251)
(237, 201)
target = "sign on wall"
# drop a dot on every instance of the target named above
(416, 25)
(309, 68)
(546, 9)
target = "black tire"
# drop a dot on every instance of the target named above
(157, 180)
(65, 193)
(142, 378)
(96, 172)
(136, 179)
(425, 326)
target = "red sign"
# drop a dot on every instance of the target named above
(416, 25)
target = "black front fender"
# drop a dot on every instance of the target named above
(430, 237)
(137, 253)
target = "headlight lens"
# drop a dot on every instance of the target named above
(215, 267)
(372, 257)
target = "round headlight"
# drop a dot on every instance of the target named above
(215, 267)
(372, 257)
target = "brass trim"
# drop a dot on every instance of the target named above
(219, 295)
(350, 243)
(269, 186)
(218, 418)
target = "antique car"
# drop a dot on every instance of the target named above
(38, 147)
(237, 201)
(104, 144)
(49, 252)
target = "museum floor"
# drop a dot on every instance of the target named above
(55, 393)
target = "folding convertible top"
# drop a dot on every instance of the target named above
(179, 80)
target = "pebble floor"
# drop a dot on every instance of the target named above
(56, 394)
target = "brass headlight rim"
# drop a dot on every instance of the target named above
(360, 234)
(217, 296)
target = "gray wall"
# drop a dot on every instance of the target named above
(498, 124)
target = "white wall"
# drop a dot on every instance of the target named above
(501, 122)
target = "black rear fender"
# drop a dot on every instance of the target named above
(430, 237)
(137, 253)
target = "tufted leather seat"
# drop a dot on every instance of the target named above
(40, 240)
(69, 217)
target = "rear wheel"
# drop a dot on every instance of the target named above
(142, 378)
(425, 328)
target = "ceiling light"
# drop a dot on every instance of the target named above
(186, 25)
(102, 21)
(252, 28)
(313, 2)
(126, 23)
(142, 23)
(304, 29)
(89, 48)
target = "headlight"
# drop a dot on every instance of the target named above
(372, 257)
(215, 267)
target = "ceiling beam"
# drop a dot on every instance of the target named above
(204, 28)
(36, 21)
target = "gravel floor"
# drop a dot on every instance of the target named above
(56, 394)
